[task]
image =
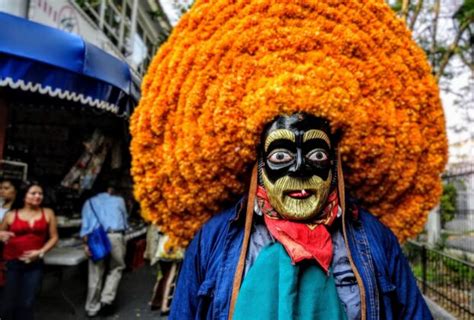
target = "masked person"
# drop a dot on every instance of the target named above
(306, 249)
(335, 109)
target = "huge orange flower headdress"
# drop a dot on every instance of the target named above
(230, 67)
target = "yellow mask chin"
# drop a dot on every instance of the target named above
(298, 199)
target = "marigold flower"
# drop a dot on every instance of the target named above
(230, 67)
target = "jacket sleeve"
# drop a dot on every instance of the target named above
(185, 298)
(409, 298)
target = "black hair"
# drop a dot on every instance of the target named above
(16, 183)
(104, 186)
(21, 193)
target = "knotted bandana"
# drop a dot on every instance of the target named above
(302, 240)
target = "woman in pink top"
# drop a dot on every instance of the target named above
(35, 233)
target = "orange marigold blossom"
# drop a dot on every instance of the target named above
(230, 67)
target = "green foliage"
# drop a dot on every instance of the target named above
(465, 13)
(442, 242)
(426, 17)
(396, 6)
(458, 272)
(431, 275)
(440, 269)
(448, 205)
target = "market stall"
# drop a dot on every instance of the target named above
(64, 105)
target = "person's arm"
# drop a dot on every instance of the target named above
(4, 234)
(33, 255)
(185, 297)
(4, 223)
(53, 232)
(411, 304)
(86, 225)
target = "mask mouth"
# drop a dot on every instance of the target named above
(299, 194)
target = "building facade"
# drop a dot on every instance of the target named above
(131, 30)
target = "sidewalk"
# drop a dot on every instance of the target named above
(464, 242)
(131, 302)
(461, 234)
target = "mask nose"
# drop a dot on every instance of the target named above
(300, 168)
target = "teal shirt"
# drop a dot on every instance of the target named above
(276, 289)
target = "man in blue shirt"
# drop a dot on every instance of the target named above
(108, 210)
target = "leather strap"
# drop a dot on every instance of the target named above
(340, 183)
(243, 253)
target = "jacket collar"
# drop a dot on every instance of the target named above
(238, 209)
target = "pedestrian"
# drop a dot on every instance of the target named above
(168, 266)
(8, 191)
(33, 233)
(106, 209)
(293, 142)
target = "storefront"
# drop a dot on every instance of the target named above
(68, 149)
(64, 108)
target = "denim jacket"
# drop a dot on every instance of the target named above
(387, 285)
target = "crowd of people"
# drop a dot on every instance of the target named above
(28, 230)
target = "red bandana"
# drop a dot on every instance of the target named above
(302, 240)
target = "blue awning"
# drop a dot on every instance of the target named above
(38, 58)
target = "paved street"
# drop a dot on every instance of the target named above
(132, 300)
(131, 303)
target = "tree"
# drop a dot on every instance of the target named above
(445, 30)
(424, 18)
(448, 205)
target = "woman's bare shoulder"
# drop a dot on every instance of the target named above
(49, 212)
(9, 216)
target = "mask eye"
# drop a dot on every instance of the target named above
(318, 155)
(280, 156)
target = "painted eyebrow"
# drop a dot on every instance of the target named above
(316, 134)
(278, 135)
